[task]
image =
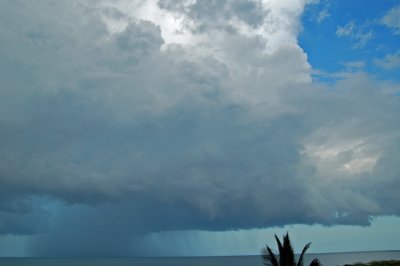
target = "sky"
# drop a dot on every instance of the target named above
(184, 127)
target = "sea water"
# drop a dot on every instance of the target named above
(327, 259)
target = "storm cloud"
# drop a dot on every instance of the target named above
(113, 126)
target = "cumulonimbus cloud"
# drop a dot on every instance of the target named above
(110, 132)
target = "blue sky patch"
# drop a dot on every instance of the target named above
(350, 35)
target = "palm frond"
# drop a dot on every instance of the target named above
(286, 254)
(269, 258)
(286, 257)
(280, 247)
(301, 258)
(315, 262)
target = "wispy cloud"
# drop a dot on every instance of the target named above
(392, 19)
(354, 64)
(389, 62)
(352, 31)
(346, 30)
(323, 15)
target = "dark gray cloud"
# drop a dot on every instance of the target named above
(106, 136)
(21, 215)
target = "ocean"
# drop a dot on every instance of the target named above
(327, 259)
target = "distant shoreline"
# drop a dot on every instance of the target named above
(361, 258)
(201, 256)
(377, 263)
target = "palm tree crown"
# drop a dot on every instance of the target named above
(286, 255)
